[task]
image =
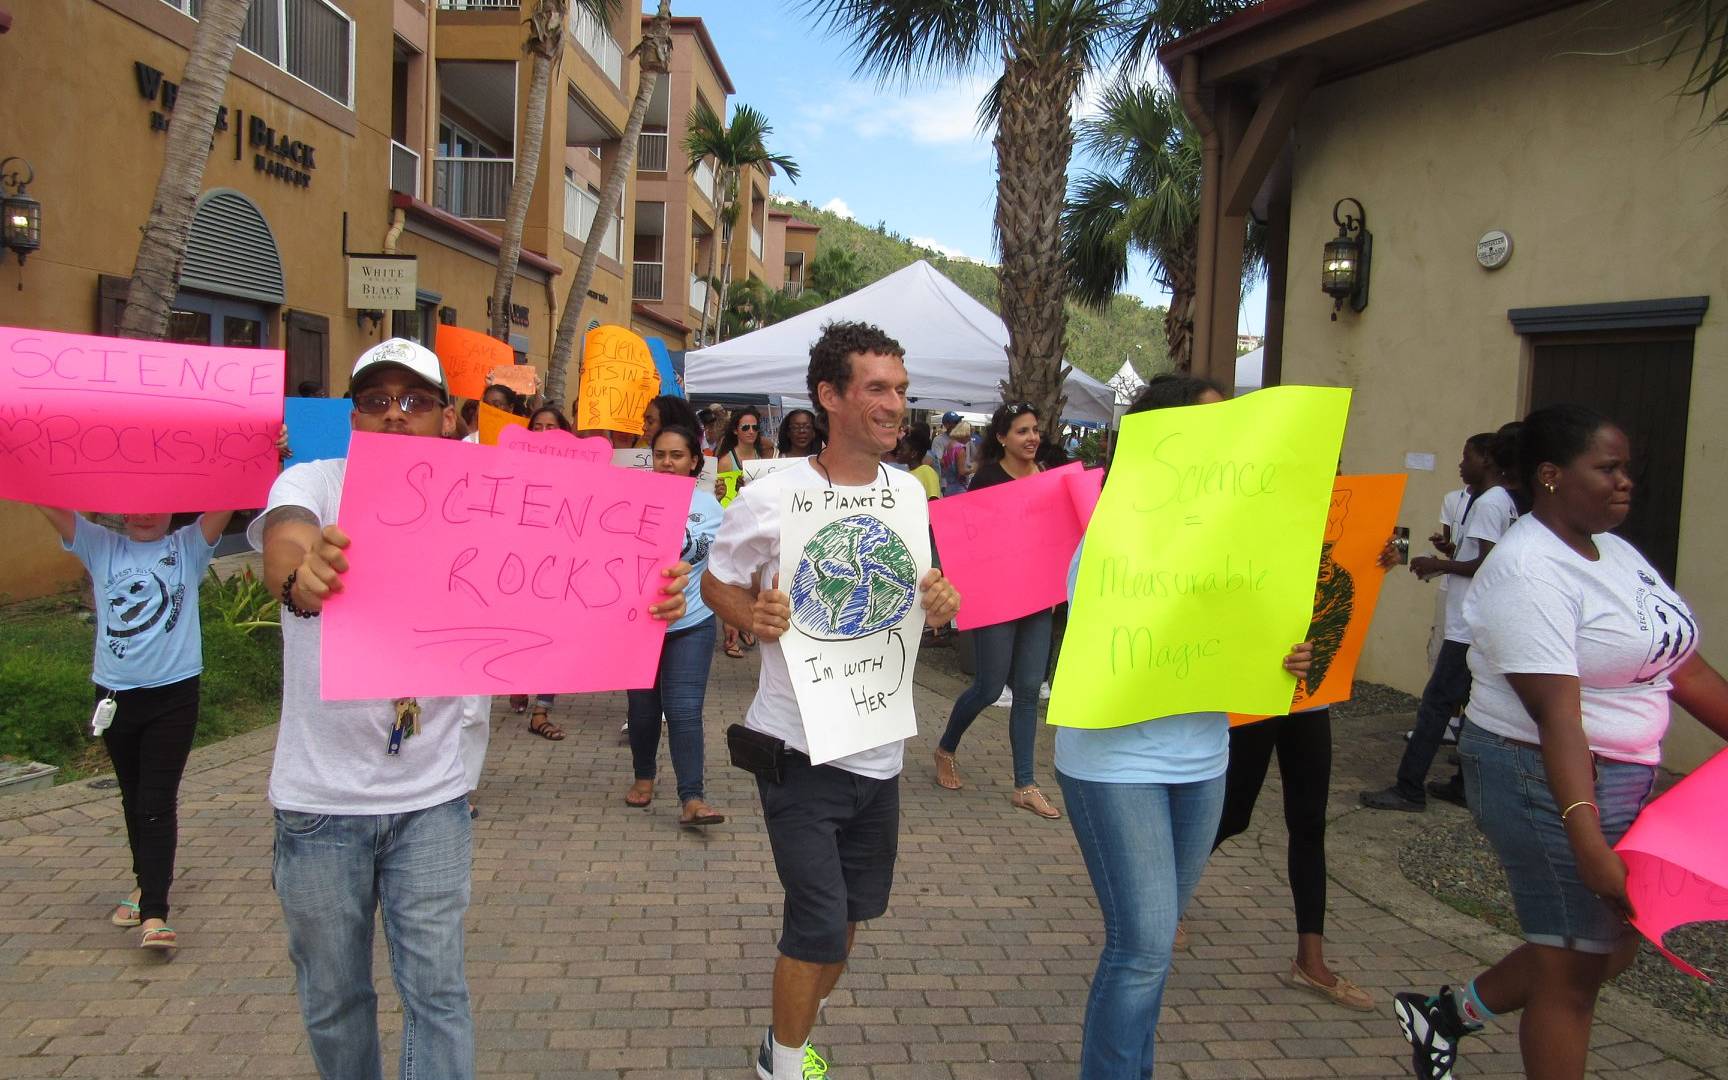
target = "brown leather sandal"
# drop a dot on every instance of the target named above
(1030, 798)
(538, 724)
(947, 775)
(641, 793)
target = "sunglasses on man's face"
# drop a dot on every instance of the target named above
(413, 403)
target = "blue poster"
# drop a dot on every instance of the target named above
(669, 383)
(317, 428)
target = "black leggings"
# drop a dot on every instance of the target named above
(148, 743)
(1304, 746)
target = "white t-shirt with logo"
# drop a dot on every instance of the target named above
(1540, 608)
(331, 755)
(1487, 520)
(746, 553)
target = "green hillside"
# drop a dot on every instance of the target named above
(1097, 341)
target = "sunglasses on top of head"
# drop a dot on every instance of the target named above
(1020, 407)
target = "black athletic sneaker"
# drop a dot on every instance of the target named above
(1451, 791)
(1392, 799)
(1433, 1027)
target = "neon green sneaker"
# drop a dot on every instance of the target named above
(813, 1068)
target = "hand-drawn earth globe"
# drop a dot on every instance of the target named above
(855, 577)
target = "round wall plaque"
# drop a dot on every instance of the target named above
(1494, 250)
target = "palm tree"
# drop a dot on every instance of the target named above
(732, 148)
(654, 56)
(836, 273)
(1046, 49)
(162, 247)
(548, 26)
(1148, 204)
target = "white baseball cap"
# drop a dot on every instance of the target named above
(402, 353)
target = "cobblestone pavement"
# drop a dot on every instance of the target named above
(605, 942)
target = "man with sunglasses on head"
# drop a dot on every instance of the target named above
(366, 817)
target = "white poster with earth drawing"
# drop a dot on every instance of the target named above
(851, 560)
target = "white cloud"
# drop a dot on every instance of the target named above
(837, 206)
(939, 247)
(945, 115)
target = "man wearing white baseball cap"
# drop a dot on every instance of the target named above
(365, 815)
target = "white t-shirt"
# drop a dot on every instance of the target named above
(1451, 515)
(1540, 608)
(747, 552)
(1490, 516)
(331, 755)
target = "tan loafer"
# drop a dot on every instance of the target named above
(1341, 992)
(1181, 936)
(1030, 798)
(947, 775)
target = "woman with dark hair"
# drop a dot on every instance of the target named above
(743, 441)
(682, 680)
(665, 411)
(1013, 653)
(546, 418)
(1579, 647)
(799, 435)
(1144, 800)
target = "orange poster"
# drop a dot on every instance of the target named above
(467, 356)
(522, 378)
(1363, 514)
(492, 421)
(618, 380)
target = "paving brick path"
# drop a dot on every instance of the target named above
(605, 942)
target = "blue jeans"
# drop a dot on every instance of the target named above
(1145, 847)
(1448, 691)
(678, 690)
(1014, 653)
(332, 872)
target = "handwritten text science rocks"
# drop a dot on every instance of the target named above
(481, 570)
(851, 560)
(1198, 569)
(122, 426)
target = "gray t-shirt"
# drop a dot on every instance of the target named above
(331, 755)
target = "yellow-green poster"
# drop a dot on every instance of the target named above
(1197, 574)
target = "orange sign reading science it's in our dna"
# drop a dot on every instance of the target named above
(1364, 511)
(618, 380)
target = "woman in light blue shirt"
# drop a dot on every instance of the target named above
(1144, 801)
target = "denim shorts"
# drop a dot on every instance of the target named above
(1507, 788)
(835, 836)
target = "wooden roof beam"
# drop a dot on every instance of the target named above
(1250, 161)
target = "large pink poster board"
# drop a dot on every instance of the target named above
(1676, 862)
(124, 426)
(1007, 548)
(481, 570)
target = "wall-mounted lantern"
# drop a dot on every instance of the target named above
(20, 215)
(1344, 268)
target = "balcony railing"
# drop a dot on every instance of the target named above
(580, 206)
(651, 152)
(650, 281)
(755, 241)
(698, 293)
(472, 187)
(404, 170)
(597, 43)
(794, 289)
(476, 5)
(704, 176)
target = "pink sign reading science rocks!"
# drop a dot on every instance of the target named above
(1007, 547)
(123, 426)
(482, 570)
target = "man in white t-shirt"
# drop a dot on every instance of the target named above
(370, 803)
(834, 827)
(1484, 520)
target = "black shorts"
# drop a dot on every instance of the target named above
(835, 835)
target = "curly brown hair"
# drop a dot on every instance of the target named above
(831, 355)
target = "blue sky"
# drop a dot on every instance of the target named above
(909, 156)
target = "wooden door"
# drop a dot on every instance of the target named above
(1644, 384)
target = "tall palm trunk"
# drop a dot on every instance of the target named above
(1034, 140)
(1181, 275)
(546, 34)
(729, 228)
(162, 248)
(654, 55)
(711, 300)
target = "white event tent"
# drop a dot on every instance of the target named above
(956, 349)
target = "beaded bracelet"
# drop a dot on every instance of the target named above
(298, 613)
